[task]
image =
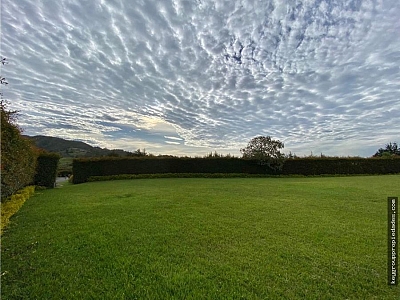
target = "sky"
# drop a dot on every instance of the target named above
(187, 77)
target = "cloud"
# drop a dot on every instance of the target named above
(173, 138)
(321, 76)
(172, 143)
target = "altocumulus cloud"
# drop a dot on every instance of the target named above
(187, 77)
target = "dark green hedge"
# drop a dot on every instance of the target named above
(82, 169)
(344, 166)
(18, 156)
(46, 169)
(175, 175)
(85, 168)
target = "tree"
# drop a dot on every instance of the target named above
(266, 151)
(138, 152)
(391, 149)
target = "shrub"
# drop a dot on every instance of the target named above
(87, 168)
(46, 171)
(174, 175)
(18, 155)
(336, 165)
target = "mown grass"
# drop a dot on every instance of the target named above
(13, 203)
(253, 238)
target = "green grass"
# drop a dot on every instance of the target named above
(253, 238)
(13, 203)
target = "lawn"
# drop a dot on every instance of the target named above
(253, 238)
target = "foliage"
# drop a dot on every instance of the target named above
(139, 152)
(336, 165)
(64, 166)
(215, 154)
(46, 171)
(391, 149)
(291, 155)
(12, 204)
(266, 151)
(18, 156)
(113, 154)
(85, 168)
(202, 239)
(175, 175)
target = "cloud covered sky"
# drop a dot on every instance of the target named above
(194, 76)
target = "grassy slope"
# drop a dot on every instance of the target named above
(293, 238)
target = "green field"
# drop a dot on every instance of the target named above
(253, 238)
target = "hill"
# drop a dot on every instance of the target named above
(73, 149)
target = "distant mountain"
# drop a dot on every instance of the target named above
(68, 148)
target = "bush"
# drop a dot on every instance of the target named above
(174, 175)
(85, 168)
(46, 171)
(18, 155)
(341, 166)
(13, 204)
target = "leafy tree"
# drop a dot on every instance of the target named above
(391, 149)
(266, 151)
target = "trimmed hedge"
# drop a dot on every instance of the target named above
(175, 175)
(46, 170)
(85, 168)
(345, 166)
(18, 162)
